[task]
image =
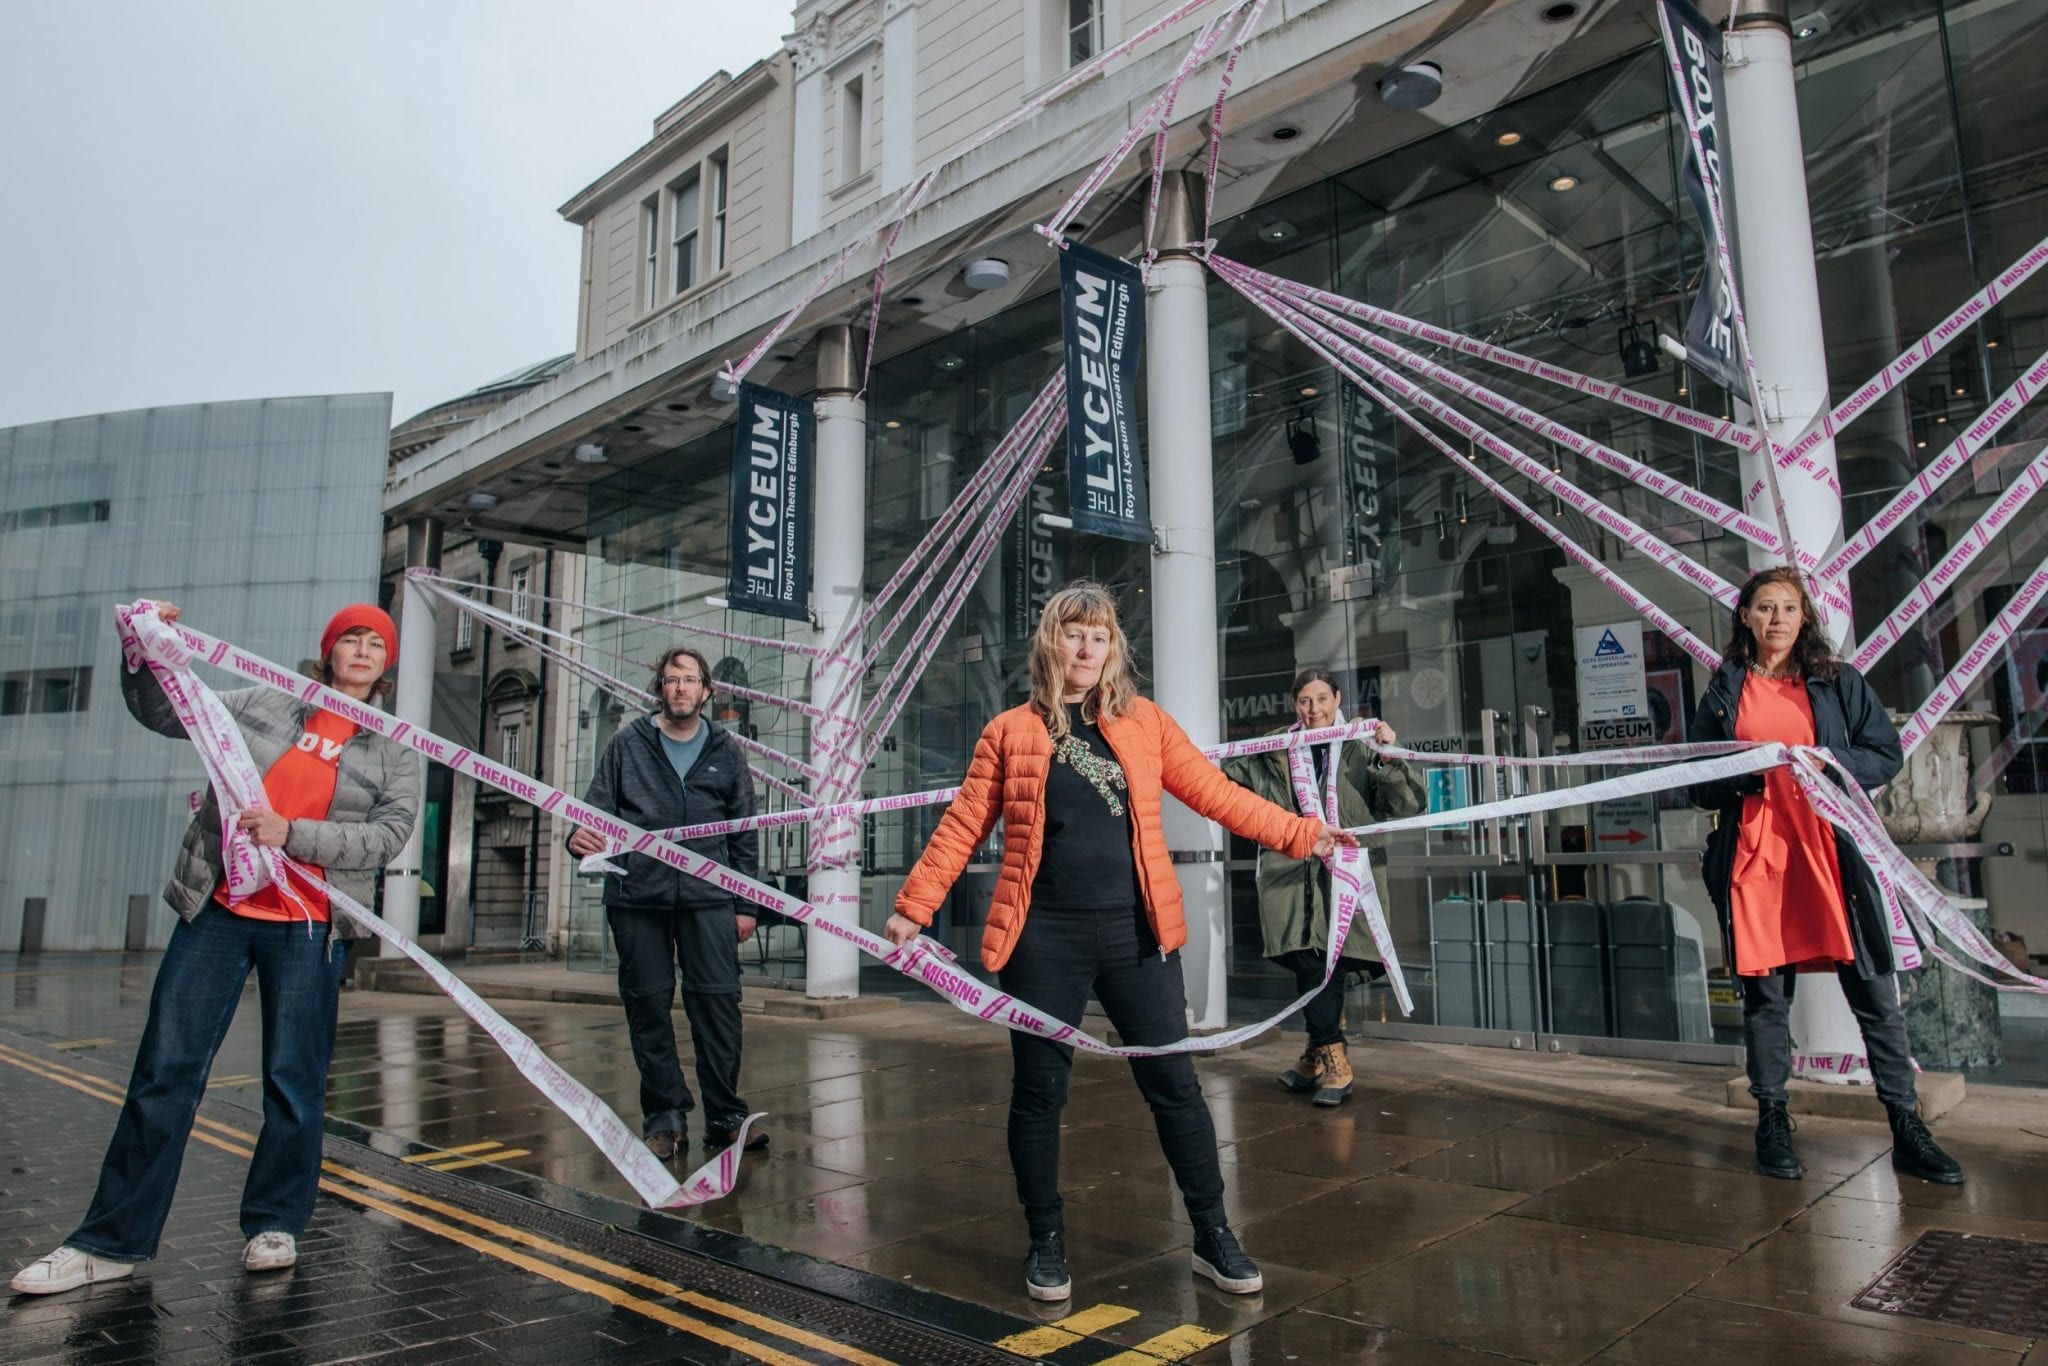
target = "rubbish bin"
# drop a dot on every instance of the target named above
(1576, 955)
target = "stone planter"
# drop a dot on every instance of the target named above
(1951, 1020)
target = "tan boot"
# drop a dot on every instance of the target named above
(1306, 1074)
(1335, 1074)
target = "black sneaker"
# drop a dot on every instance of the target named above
(1774, 1154)
(1045, 1268)
(1218, 1257)
(718, 1140)
(1915, 1152)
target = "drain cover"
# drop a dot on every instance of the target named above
(1999, 1285)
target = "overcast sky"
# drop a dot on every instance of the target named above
(205, 199)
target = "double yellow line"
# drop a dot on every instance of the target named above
(503, 1242)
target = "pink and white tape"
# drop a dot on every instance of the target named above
(1987, 647)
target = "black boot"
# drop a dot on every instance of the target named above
(1045, 1267)
(1218, 1257)
(1915, 1152)
(1774, 1155)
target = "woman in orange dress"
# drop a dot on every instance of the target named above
(1792, 897)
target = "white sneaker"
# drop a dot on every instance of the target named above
(66, 1269)
(270, 1252)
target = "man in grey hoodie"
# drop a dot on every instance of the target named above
(678, 768)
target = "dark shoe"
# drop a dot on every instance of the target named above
(663, 1144)
(718, 1140)
(1305, 1075)
(1774, 1155)
(1218, 1257)
(1336, 1075)
(1915, 1152)
(1045, 1268)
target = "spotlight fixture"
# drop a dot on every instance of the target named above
(1508, 139)
(912, 301)
(1464, 508)
(1415, 86)
(480, 501)
(679, 407)
(1991, 343)
(1959, 374)
(1559, 13)
(892, 424)
(949, 363)
(1279, 230)
(986, 274)
(1302, 441)
(724, 390)
(1286, 132)
(1308, 391)
(1919, 432)
(589, 453)
(1814, 25)
(1638, 356)
(1563, 183)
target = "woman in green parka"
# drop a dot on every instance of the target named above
(1294, 894)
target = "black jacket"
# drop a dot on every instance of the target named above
(635, 782)
(1848, 720)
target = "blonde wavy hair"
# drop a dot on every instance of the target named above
(1090, 604)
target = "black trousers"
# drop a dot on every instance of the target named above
(1324, 1013)
(1060, 957)
(703, 947)
(1767, 1020)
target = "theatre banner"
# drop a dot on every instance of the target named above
(1710, 327)
(1102, 310)
(772, 473)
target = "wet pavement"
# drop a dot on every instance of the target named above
(1467, 1205)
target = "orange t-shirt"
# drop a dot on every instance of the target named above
(1786, 893)
(300, 786)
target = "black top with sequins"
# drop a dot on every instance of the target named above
(1086, 861)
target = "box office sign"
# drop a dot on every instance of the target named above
(1102, 313)
(772, 477)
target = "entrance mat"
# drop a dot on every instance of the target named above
(1998, 1285)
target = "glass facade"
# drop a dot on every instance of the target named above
(1552, 225)
(260, 519)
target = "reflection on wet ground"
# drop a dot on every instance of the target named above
(1467, 1205)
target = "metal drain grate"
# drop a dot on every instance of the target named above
(1998, 1285)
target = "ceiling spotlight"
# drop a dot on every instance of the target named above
(986, 274)
(1286, 132)
(892, 424)
(1561, 12)
(950, 363)
(1302, 441)
(724, 390)
(1814, 25)
(679, 407)
(1279, 230)
(589, 453)
(1507, 139)
(1991, 343)
(1562, 183)
(912, 301)
(1415, 86)
(480, 501)
(1638, 357)
(1308, 391)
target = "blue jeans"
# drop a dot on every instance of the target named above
(198, 986)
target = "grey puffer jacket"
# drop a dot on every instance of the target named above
(376, 797)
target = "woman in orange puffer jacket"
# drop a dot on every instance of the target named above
(1087, 899)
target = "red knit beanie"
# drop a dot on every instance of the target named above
(361, 614)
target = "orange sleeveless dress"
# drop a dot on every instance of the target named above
(1785, 896)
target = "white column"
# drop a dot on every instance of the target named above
(415, 703)
(1774, 249)
(1185, 637)
(899, 93)
(807, 137)
(838, 562)
(1781, 298)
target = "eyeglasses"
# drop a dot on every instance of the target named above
(671, 681)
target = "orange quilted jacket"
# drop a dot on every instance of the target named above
(1007, 778)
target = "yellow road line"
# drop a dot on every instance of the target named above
(502, 1155)
(1044, 1341)
(99, 1088)
(242, 1080)
(1175, 1344)
(439, 1153)
(80, 1043)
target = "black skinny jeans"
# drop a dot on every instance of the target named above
(1060, 956)
(1324, 1013)
(654, 946)
(1767, 1036)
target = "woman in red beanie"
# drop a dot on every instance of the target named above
(340, 802)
